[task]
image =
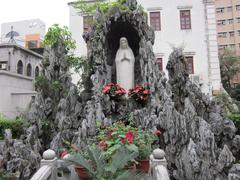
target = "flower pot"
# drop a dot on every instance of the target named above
(143, 165)
(82, 173)
(131, 167)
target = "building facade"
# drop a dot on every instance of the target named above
(27, 33)
(228, 27)
(190, 24)
(18, 68)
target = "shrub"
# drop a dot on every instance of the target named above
(235, 117)
(15, 125)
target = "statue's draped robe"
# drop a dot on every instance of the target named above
(125, 68)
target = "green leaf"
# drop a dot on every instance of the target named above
(132, 148)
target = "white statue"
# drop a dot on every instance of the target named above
(125, 65)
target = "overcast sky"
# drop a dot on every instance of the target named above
(49, 11)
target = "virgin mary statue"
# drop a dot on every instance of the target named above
(125, 65)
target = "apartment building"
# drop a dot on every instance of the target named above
(228, 27)
(27, 33)
(187, 23)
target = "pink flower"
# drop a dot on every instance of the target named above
(63, 154)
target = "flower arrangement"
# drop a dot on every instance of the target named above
(113, 90)
(139, 93)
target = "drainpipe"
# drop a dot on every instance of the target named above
(9, 60)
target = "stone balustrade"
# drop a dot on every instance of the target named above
(53, 169)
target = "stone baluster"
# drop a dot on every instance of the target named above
(48, 169)
(158, 165)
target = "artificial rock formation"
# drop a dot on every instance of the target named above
(200, 143)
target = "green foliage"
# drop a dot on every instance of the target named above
(90, 8)
(101, 169)
(236, 119)
(5, 175)
(79, 64)
(16, 125)
(134, 139)
(226, 102)
(229, 66)
(55, 32)
(41, 82)
(56, 85)
(235, 92)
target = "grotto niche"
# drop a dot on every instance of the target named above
(199, 141)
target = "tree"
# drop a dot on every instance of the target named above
(229, 66)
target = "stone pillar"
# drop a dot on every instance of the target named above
(49, 159)
(212, 47)
(158, 158)
(158, 165)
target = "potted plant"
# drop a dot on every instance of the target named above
(114, 91)
(139, 94)
(101, 169)
(144, 143)
(134, 139)
(115, 136)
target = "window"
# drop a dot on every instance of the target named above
(29, 70)
(222, 34)
(231, 33)
(3, 65)
(221, 22)
(32, 44)
(220, 10)
(232, 46)
(230, 21)
(36, 71)
(185, 19)
(189, 61)
(237, 7)
(229, 9)
(238, 19)
(20, 67)
(87, 21)
(155, 21)
(160, 63)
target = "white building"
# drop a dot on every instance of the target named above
(27, 33)
(18, 68)
(187, 23)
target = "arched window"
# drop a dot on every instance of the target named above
(29, 70)
(20, 67)
(36, 71)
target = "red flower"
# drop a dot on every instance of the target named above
(129, 136)
(146, 91)
(122, 139)
(102, 144)
(106, 89)
(157, 132)
(136, 90)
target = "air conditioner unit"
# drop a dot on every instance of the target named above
(196, 79)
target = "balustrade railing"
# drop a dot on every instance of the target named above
(53, 169)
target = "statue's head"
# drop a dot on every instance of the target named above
(123, 43)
